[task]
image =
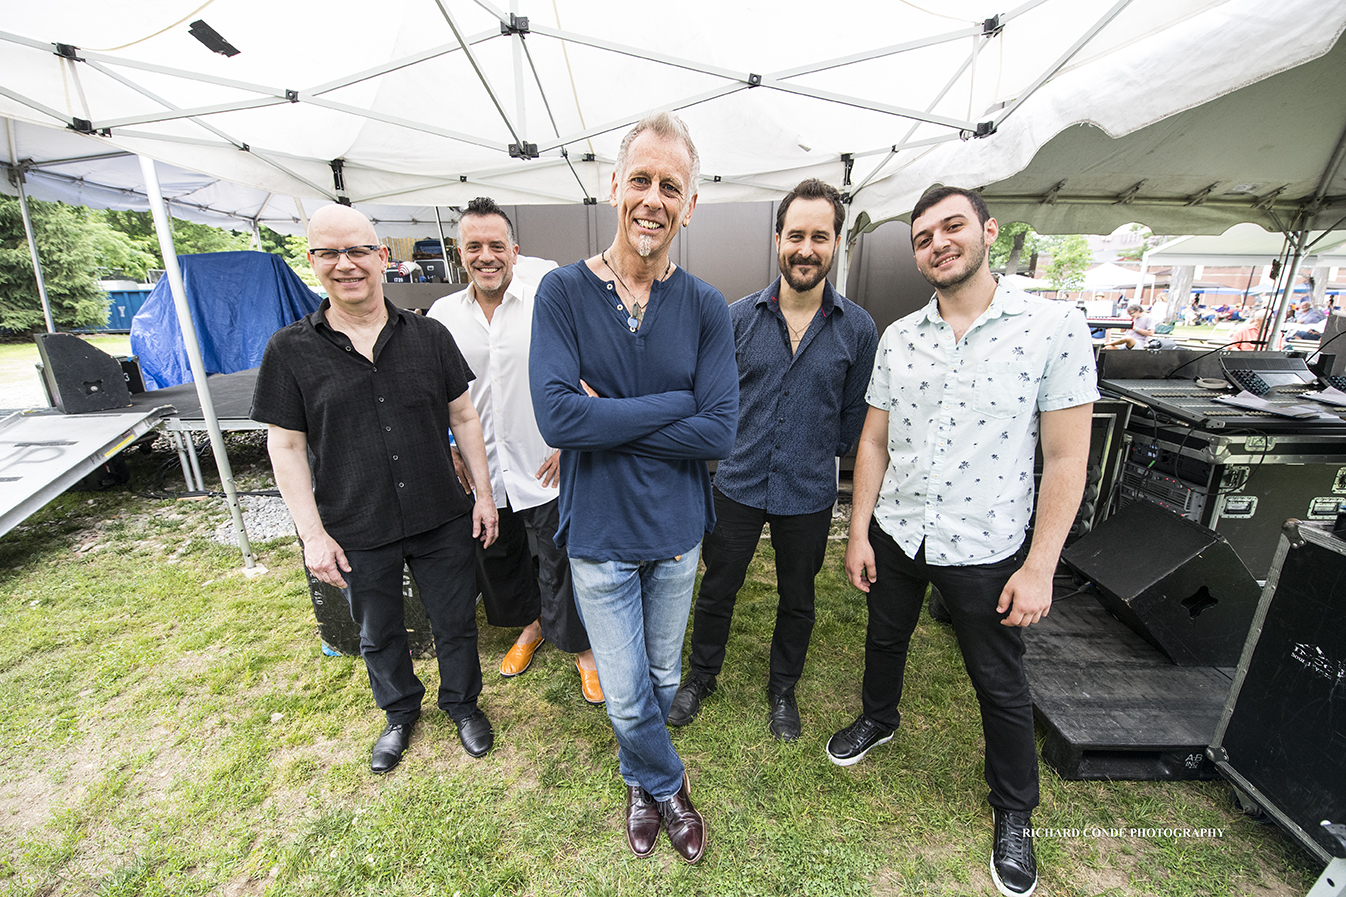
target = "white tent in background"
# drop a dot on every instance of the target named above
(1108, 276)
(1247, 244)
(1025, 283)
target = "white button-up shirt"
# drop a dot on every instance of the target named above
(497, 352)
(963, 421)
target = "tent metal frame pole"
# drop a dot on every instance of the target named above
(449, 269)
(174, 274)
(28, 227)
(1291, 271)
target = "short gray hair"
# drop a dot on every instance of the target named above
(670, 127)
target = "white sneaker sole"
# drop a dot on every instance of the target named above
(851, 761)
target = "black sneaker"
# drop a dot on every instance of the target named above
(1014, 869)
(849, 746)
(687, 702)
(784, 716)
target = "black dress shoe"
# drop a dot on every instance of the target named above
(687, 702)
(1014, 868)
(642, 820)
(686, 829)
(784, 716)
(474, 731)
(390, 747)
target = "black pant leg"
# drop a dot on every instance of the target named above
(505, 575)
(894, 602)
(441, 562)
(800, 544)
(993, 655)
(374, 592)
(727, 550)
(561, 623)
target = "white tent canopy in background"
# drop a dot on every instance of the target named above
(424, 103)
(1245, 245)
(1108, 276)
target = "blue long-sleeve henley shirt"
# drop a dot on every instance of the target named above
(634, 483)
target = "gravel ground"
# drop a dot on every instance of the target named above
(264, 518)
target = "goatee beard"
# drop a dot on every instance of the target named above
(644, 246)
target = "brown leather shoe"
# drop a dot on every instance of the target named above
(589, 687)
(686, 829)
(518, 658)
(642, 821)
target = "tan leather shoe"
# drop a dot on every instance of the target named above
(518, 658)
(589, 687)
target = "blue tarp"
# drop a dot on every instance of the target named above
(237, 300)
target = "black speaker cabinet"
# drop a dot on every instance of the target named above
(1177, 584)
(79, 377)
(1282, 738)
(339, 632)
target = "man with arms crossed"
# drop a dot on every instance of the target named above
(633, 378)
(804, 354)
(360, 397)
(492, 322)
(944, 491)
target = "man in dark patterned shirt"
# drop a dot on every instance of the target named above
(360, 397)
(804, 356)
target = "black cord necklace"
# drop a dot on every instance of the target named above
(637, 314)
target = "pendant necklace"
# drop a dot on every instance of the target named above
(637, 313)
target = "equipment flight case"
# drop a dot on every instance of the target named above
(1282, 737)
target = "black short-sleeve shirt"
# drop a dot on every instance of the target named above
(378, 432)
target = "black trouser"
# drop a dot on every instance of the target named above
(441, 562)
(992, 654)
(800, 542)
(515, 594)
(505, 575)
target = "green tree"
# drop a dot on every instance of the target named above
(190, 238)
(68, 244)
(1071, 257)
(1014, 236)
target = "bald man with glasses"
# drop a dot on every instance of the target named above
(359, 398)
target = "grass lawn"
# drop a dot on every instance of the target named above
(173, 728)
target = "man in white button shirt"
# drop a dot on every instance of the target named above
(943, 493)
(491, 321)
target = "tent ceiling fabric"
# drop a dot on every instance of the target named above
(1091, 155)
(421, 100)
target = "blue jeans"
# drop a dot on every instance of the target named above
(636, 615)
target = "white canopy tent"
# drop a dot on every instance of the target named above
(1108, 276)
(423, 104)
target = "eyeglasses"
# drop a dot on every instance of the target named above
(354, 253)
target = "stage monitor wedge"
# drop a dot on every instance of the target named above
(1177, 584)
(80, 377)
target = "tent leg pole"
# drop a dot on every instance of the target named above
(198, 483)
(28, 229)
(180, 446)
(450, 274)
(174, 275)
(1272, 329)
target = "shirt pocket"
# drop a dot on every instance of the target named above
(418, 387)
(1003, 389)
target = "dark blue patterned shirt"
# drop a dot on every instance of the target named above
(800, 411)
